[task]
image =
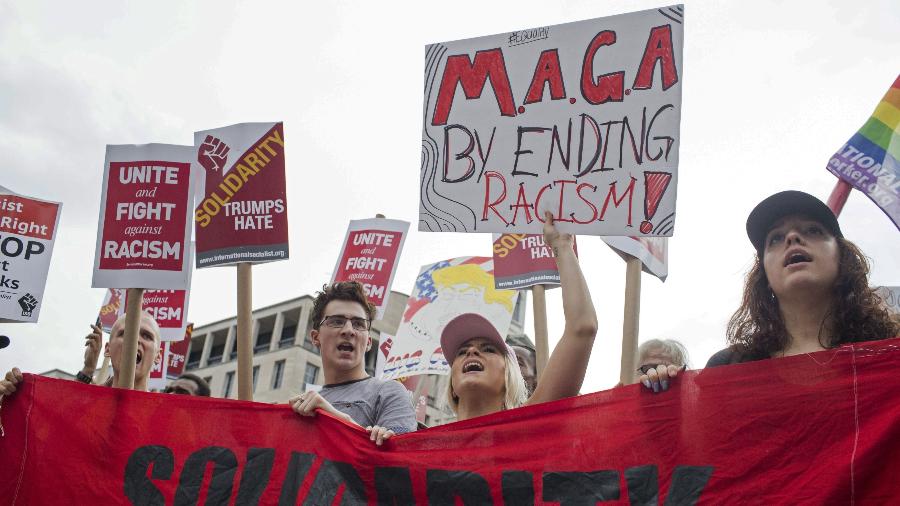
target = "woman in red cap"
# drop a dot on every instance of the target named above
(484, 374)
(808, 290)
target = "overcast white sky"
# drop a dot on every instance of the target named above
(771, 91)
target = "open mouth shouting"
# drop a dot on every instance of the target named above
(346, 346)
(472, 365)
(139, 357)
(796, 256)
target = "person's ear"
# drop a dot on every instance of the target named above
(106, 350)
(369, 343)
(314, 337)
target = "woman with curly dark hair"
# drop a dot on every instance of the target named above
(808, 289)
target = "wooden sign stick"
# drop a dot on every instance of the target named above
(244, 331)
(135, 297)
(541, 348)
(631, 321)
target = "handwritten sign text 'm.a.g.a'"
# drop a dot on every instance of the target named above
(581, 120)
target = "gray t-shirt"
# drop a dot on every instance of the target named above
(372, 401)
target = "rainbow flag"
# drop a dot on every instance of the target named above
(869, 160)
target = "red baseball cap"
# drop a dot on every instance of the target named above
(469, 326)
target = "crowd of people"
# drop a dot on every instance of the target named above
(807, 291)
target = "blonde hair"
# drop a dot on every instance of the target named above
(120, 322)
(515, 391)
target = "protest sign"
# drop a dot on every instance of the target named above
(143, 239)
(168, 307)
(653, 252)
(27, 234)
(242, 216)
(370, 255)
(523, 260)
(869, 160)
(110, 309)
(828, 408)
(177, 352)
(157, 379)
(891, 297)
(443, 291)
(385, 342)
(580, 119)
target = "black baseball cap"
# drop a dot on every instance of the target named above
(784, 204)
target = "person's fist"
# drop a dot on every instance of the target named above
(213, 154)
(10, 382)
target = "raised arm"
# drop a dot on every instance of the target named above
(565, 370)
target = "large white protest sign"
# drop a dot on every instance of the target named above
(443, 291)
(653, 252)
(369, 255)
(143, 239)
(27, 233)
(580, 119)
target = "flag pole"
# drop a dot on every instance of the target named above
(839, 196)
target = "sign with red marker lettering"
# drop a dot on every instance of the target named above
(370, 254)
(27, 233)
(523, 260)
(177, 352)
(580, 119)
(242, 216)
(143, 240)
(653, 252)
(168, 307)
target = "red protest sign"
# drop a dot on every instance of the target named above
(143, 239)
(109, 310)
(523, 260)
(157, 379)
(176, 353)
(243, 214)
(370, 254)
(828, 407)
(168, 307)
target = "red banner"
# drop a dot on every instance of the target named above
(811, 429)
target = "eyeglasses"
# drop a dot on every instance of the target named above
(337, 321)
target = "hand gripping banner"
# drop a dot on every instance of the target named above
(822, 428)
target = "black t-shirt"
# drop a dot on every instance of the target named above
(730, 356)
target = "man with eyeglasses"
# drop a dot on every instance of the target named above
(342, 317)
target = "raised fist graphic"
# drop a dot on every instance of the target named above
(213, 153)
(28, 303)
